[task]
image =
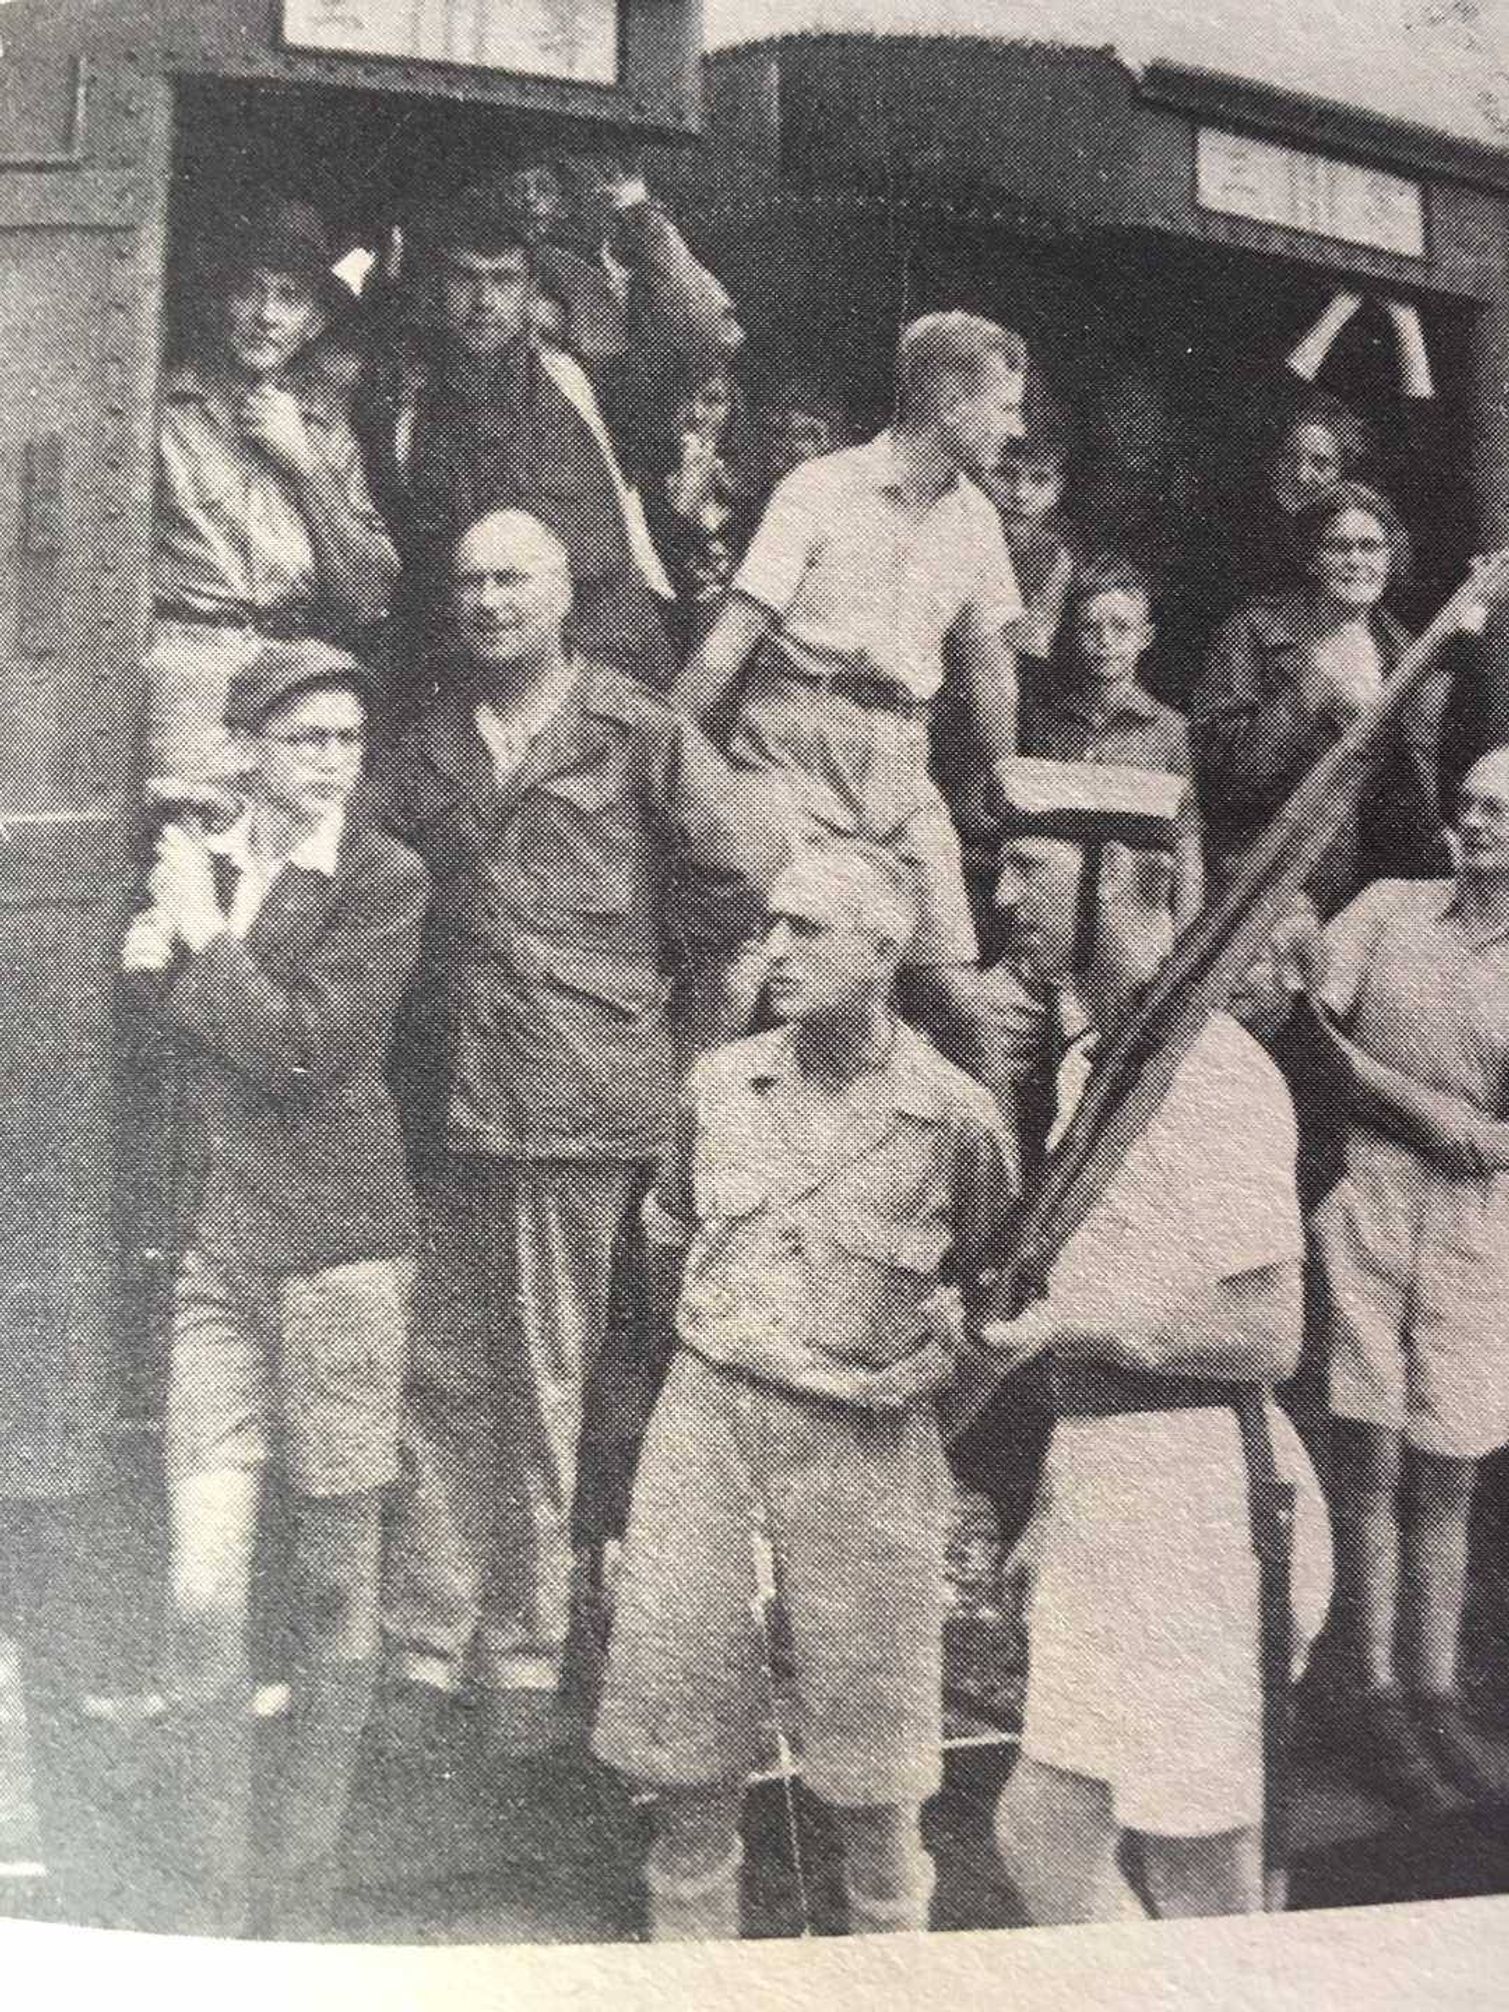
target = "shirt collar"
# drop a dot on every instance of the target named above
(893, 474)
(318, 852)
(909, 1075)
(520, 728)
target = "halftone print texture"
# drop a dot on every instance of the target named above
(785, 1214)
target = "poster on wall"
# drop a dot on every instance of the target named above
(573, 40)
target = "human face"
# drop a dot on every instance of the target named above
(305, 758)
(1109, 635)
(820, 965)
(484, 298)
(1307, 465)
(708, 410)
(1038, 892)
(985, 417)
(796, 437)
(1026, 490)
(269, 317)
(1350, 563)
(510, 593)
(1483, 818)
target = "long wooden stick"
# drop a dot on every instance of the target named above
(1204, 970)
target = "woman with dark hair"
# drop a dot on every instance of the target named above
(1287, 675)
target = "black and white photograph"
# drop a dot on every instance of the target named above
(754, 970)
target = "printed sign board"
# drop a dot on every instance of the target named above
(1241, 177)
(574, 40)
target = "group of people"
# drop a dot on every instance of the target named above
(589, 1116)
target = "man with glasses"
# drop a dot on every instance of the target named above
(270, 961)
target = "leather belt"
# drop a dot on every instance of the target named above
(860, 688)
(1090, 1392)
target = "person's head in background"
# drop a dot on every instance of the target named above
(798, 421)
(1027, 485)
(1038, 891)
(1107, 625)
(706, 402)
(1320, 446)
(1350, 547)
(961, 382)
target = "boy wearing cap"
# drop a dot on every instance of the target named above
(264, 526)
(271, 957)
(821, 1174)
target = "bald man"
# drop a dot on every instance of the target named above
(588, 851)
(819, 1177)
(1415, 1244)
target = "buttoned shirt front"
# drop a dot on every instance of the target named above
(867, 575)
(1127, 726)
(230, 535)
(816, 1246)
(1424, 990)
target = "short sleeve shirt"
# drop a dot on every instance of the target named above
(865, 576)
(1423, 991)
(1207, 1192)
(813, 1256)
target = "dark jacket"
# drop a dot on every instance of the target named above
(283, 1142)
(566, 902)
(1255, 741)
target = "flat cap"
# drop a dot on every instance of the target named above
(280, 672)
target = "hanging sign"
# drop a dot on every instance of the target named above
(1240, 177)
(574, 41)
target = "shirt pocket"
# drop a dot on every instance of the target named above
(579, 843)
(872, 1276)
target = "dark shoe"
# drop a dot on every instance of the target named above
(1391, 1758)
(1477, 1764)
(517, 1725)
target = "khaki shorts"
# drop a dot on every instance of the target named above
(856, 1508)
(304, 1372)
(1417, 1276)
(852, 773)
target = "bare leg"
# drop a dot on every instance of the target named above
(1436, 1537)
(1392, 1753)
(1056, 1833)
(213, 1524)
(1189, 1876)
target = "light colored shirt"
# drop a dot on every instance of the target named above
(509, 736)
(866, 577)
(230, 536)
(1422, 990)
(818, 1229)
(1206, 1193)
